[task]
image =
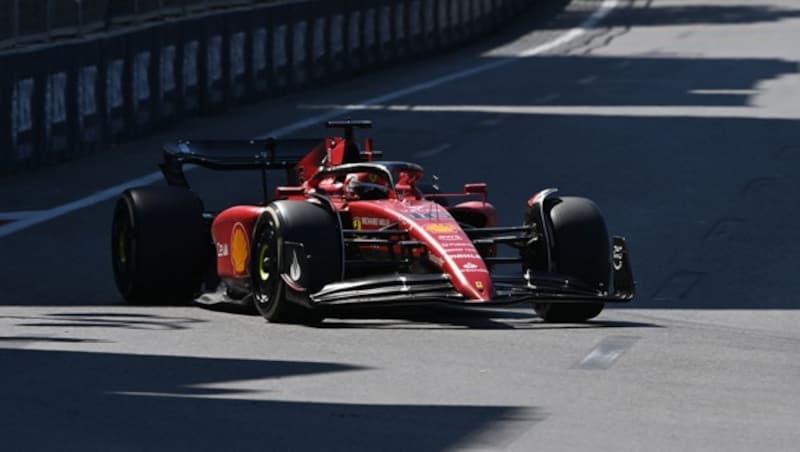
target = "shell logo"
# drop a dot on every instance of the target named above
(240, 249)
(440, 228)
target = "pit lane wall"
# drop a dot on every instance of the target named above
(65, 100)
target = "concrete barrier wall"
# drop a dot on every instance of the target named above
(62, 101)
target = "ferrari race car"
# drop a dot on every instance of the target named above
(350, 228)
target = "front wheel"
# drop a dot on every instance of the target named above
(582, 250)
(296, 251)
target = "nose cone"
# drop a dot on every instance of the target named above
(456, 255)
(476, 287)
(449, 247)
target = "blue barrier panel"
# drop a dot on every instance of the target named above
(213, 82)
(280, 25)
(59, 66)
(442, 34)
(189, 78)
(383, 31)
(337, 39)
(416, 28)
(467, 22)
(355, 35)
(143, 53)
(167, 66)
(115, 98)
(259, 53)
(5, 114)
(299, 45)
(27, 80)
(319, 16)
(400, 28)
(370, 49)
(429, 12)
(236, 59)
(456, 21)
(88, 84)
(60, 104)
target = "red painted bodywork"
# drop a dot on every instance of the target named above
(448, 247)
(222, 233)
(483, 209)
(428, 222)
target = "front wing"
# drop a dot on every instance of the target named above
(531, 287)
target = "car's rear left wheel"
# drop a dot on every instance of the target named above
(160, 245)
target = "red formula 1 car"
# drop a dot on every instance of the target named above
(350, 228)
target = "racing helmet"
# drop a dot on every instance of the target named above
(366, 186)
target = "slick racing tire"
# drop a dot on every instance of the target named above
(582, 249)
(296, 251)
(160, 245)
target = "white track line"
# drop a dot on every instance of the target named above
(109, 193)
(19, 214)
(647, 111)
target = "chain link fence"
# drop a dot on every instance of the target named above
(24, 22)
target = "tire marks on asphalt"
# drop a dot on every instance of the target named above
(740, 224)
(678, 286)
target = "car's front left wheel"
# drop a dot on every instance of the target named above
(296, 251)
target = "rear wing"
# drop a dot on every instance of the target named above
(268, 154)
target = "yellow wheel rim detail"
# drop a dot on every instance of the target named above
(123, 235)
(262, 254)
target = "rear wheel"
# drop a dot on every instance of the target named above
(582, 249)
(159, 245)
(297, 250)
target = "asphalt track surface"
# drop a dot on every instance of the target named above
(680, 118)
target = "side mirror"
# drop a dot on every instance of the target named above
(475, 189)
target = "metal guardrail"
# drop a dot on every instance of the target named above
(25, 22)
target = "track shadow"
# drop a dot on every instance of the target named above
(448, 317)
(110, 320)
(5, 340)
(57, 400)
